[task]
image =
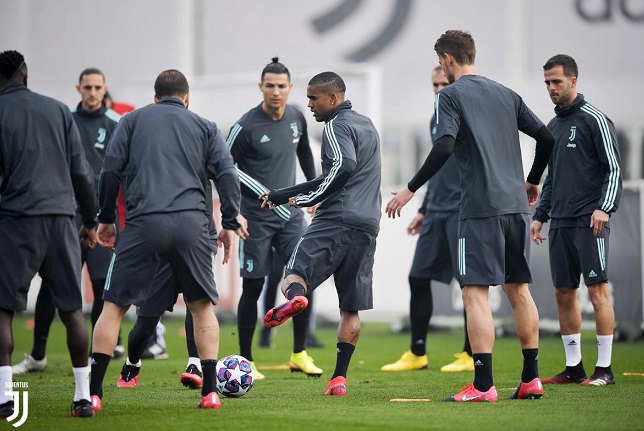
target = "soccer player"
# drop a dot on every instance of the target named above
(479, 121)
(166, 153)
(581, 191)
(44, 173)
(437, 226)
(265, 143)
(341, 240)
(164, 295)
(95, 123)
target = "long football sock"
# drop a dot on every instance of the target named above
(139, 336)
(247, 314)
(99, 362)
(420, 311)
(209, 367)
(572, 347)
(43, 318)
(604, 350)
(81, 378)
(190, 337)
(466, 345)
(483, 371)
(530, 365)
(344, 353)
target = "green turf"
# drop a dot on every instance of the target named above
(291, 401)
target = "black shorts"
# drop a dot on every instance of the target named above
(328, 249)
(494, 250)
(575, 251)
(181, 239)
(166, 289)
(266, 237)
(47, 245)
(435, 255)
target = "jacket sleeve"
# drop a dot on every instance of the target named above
(605, 142)
(82, 176)
(222, 171)
(254, 188)
(304, 153)
(114, 163)
(542, 213)
(339, 149)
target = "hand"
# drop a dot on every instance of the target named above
(598, 220)
(414, 226)
(291, 203)
(87, 238)
(399, 200)
(312, 210)
(242, 232)
(226, 237)
(265, 202)
(533, 193)
(106, 235)
(535, 232)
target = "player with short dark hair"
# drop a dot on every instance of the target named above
(43, 175)
(341, 240)
(435, 258)
(479, 121)
(166, 153)
(581, 191)
(265, 143)
(95, 123)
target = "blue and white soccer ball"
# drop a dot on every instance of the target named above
(235, 376)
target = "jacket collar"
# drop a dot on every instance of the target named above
(335, 111)
(172, 101)
(13, 87)
(98, 113)
(578, 103)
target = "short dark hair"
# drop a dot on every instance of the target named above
(275, 67)
(457, 43)
(568, 64)
(171, 83)
(90, 71)
(328, 82)
(10, 63)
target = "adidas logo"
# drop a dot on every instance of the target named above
(592, 273)
(264, 139)
(421, 342)
(572, 343)
(478, 363)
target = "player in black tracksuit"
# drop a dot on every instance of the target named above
(166, 153)
(95, 124)
(265, 144)
(581, 191)
(43, 174)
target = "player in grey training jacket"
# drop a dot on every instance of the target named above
(479, 120)
(166, 153)
(43, 173)
(341, 240)
(581, 191)
(264, 143)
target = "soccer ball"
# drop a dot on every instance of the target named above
(235, 376)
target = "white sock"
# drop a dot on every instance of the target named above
(160, 332)
(572, 346)
(127, 362)
(6, 383)
(81, 376)
(194, 361)
(604, 350)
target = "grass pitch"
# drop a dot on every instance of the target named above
(291, 401)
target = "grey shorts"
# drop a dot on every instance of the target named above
(328, 249)
(494, 250)
(435, 255)
(47, 245)
(166, 289)
(575, 251)
(181, 239)
(268, 237)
